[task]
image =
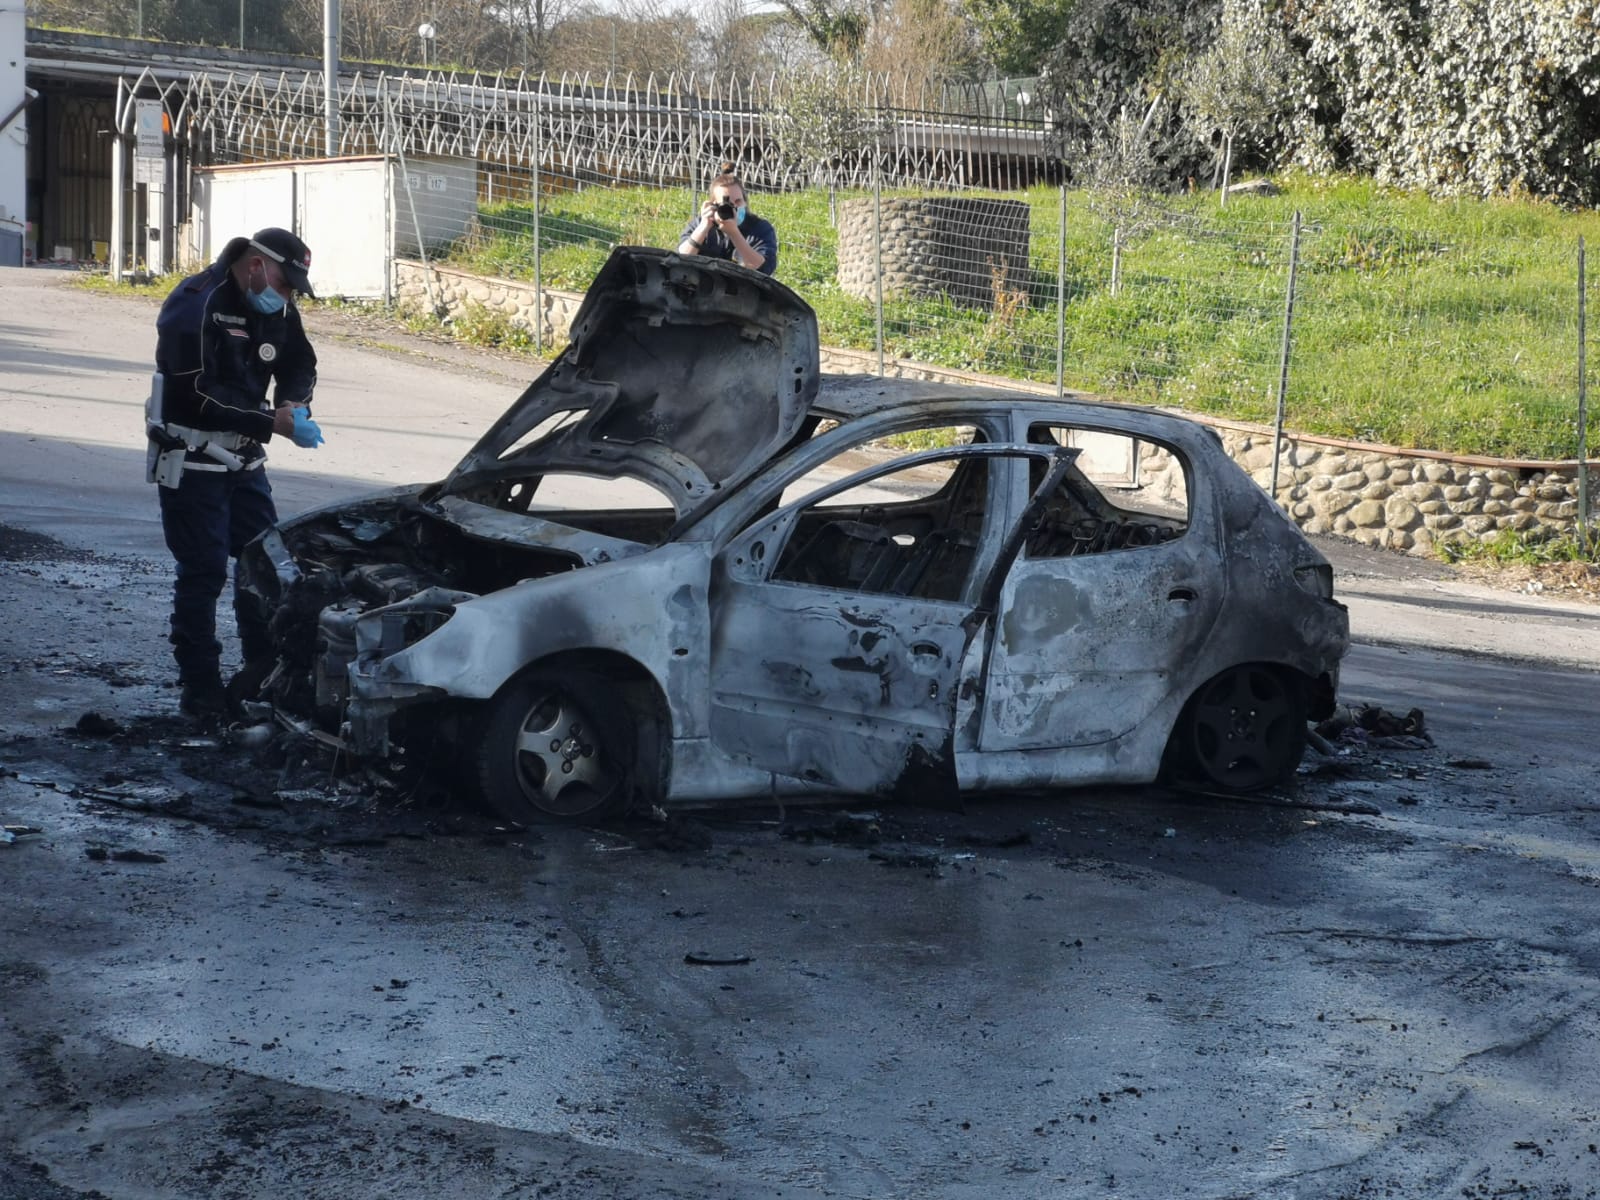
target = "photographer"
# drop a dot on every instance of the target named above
(727, 229)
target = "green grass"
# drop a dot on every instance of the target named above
(1529, 548)
(1440, 325)
(95, 280)
(484, 327)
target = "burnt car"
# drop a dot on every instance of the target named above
(685, 566)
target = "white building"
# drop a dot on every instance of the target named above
(13, 131)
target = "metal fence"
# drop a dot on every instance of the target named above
(575, 130)
(1389, 335)
(1468, 341)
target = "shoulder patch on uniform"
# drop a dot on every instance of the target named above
(222, 318)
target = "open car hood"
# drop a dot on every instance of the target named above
(686, 373)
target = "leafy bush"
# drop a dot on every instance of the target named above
(1465, 97)
(485, 327)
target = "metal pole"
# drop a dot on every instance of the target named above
(399, 136)
(391, 218)
(118, 177)
(330, 78)
(241, 24)
(1283, 356)
(877, 254)
(1061, 298)
(538, 263)
(118, 191)
(1583, 408)
(169, 212)
(685, 144)
(1227, 169)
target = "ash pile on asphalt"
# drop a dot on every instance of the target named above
(284, 790)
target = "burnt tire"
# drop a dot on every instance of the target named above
(1243, 731)
(557, 747)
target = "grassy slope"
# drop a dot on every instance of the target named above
(1450, 326)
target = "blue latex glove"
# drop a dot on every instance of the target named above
(307, 433)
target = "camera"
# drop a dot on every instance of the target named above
(724, 211)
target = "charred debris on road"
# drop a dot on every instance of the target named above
(298, 794)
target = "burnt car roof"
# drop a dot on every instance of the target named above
(687, 373)
(847, 396)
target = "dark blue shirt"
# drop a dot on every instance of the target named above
(763, 239)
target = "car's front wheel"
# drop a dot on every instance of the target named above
(1244, 730)
(556, 747)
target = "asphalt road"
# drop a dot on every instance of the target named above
(227, 974)
(399, 409)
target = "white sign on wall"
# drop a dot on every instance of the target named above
(148, 132)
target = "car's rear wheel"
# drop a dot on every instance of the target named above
(557, 747)
(1244, 730)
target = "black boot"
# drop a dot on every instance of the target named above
(204, 700)
(246, 683)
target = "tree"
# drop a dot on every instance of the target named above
(836, 27)
(1242, 84)
(194, 21)
(1117, 57)
(1015, 37)
(637, 37)
(383, 31)
(921, 43)
(823, 121)
(735, 42)
(1122, 164)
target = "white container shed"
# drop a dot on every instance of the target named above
(356, 214)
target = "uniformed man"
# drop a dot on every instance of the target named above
(222, 337)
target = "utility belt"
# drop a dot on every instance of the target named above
(176, 448)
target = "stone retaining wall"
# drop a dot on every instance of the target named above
(455, 292)
(974, 251)
(1377, 495)
(1403, 500)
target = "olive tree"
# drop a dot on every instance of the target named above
(824, 120)
(1241, 85)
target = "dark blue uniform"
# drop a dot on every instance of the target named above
(763, 239)
(218, 355)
